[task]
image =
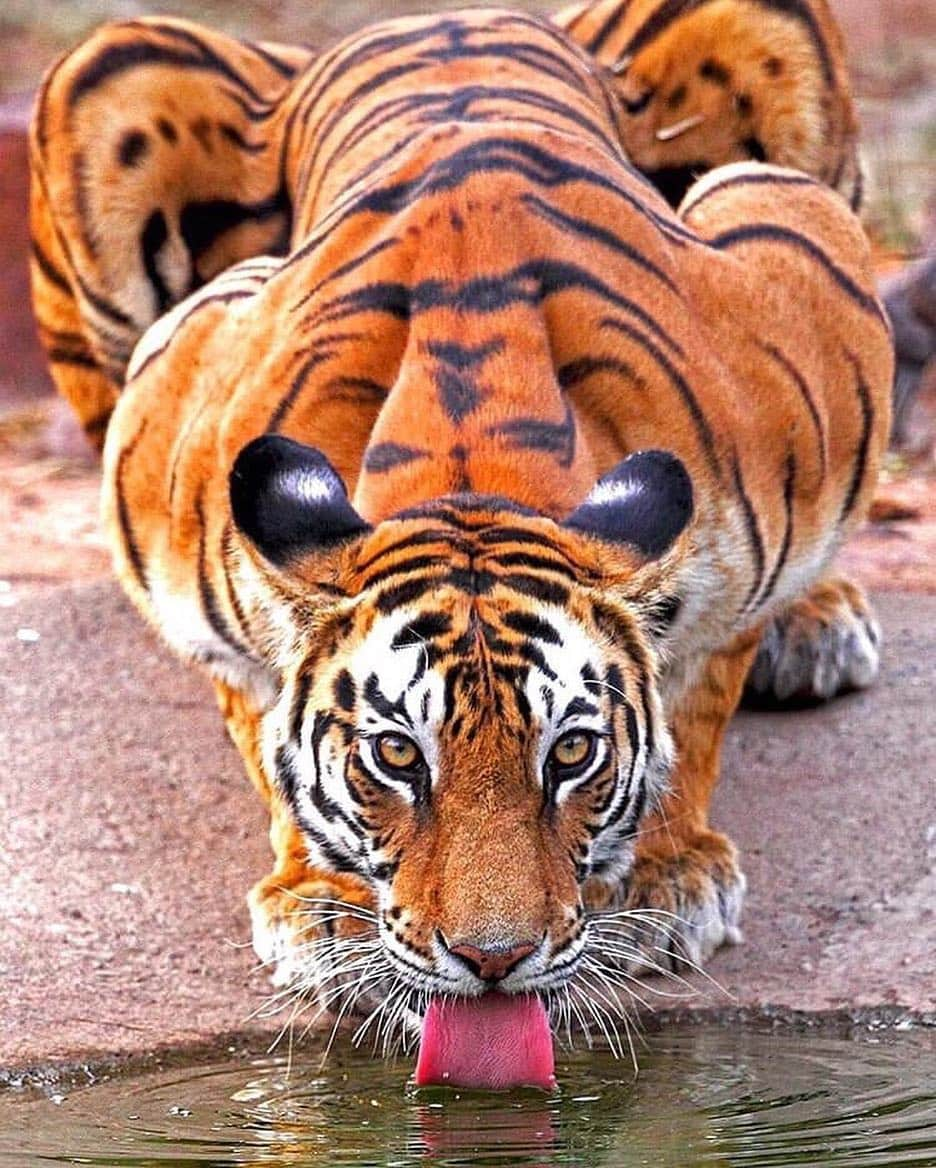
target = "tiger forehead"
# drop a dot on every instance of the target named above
(472, 549)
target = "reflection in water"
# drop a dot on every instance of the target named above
(705, 1096)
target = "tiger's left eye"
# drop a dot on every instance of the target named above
(397, 753)
(573, 750)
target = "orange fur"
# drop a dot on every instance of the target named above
(479, 305)
(747, 79)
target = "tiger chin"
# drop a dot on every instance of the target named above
(469, 471)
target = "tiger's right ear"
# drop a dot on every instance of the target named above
(288, 500)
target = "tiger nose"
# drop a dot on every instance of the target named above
(492, 964)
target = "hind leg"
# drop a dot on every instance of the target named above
(154, 156)
(824, 643)
(685, 890)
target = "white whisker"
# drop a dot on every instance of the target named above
(667, 133)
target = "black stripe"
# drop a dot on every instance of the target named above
(236, 138)
(789, 485)
(450, 106)
(385, 456)
(532, 282)
(49, 270)
(679, 383)
(810, 402)
(209, 598)
(153, 237)
(402, 594)
(401, 567)
(282, 67)
(220, 298)
(755, 538)
(297, 709)
(510, 155)
(345, 269)
(207, 55)
(774, 232)
(227, 551)
(534, 626)
(754, 178)
(62, 356)
(131, 547)
(606, 28)
(104, 307)
(521, 559)
(592, 231)
(296, 386)
(864, 441)
(418, 538)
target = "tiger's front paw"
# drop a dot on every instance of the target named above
(823, 644)
(674, 909)
(306, 928)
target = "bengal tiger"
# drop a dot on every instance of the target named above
(469, 471)
(707, 82)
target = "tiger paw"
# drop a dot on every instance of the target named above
(307, 930)
(674, 909)
(823, 644)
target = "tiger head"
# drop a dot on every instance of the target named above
(705, 84)
(468, 715)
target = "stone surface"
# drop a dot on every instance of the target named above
(129, 835)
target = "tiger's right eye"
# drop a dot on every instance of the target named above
(397, 753)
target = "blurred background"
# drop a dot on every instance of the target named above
(48, 479)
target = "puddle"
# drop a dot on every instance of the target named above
(704, 1096)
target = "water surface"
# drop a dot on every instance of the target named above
(704, 1096)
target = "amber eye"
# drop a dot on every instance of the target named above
(397, 753)
(573, 750)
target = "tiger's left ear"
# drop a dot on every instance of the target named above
(289, 500)
(645, 501)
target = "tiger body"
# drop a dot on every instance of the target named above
(481, 310)
(706, 82)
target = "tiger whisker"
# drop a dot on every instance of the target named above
(668, 133)
(603, 1020)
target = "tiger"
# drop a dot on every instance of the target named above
(471, 474)
(707, 82)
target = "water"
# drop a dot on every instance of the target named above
(704, 1096)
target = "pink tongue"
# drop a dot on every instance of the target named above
(495, 1041)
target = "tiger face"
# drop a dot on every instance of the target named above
(471, 723)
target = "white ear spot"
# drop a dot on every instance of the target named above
(307, 486)
(614, 491)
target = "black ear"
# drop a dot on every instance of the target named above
(288, 499)
(646, 501)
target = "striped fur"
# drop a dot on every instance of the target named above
(707, 82)
(426, 255)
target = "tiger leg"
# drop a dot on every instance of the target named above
(685, 887)
(822, 644)
(154, 158)
(297, 904)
